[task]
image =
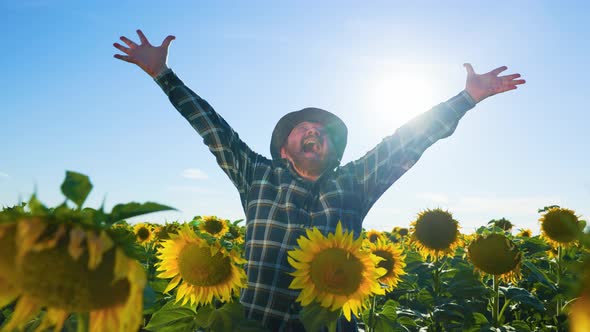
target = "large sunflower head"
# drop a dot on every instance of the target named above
(392, 261)
(334, 271)
(65, 260)
(144, 233)
(435, 233)
(495, 254)
(214, 226)
(204, 271)
(560, 226)
(67, 268)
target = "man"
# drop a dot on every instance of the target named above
(304, 185)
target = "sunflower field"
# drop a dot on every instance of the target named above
(77, 268)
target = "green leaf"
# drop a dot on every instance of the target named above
(76, 187)
(480, 319)
(171, 318)
(133, 209)
(314, 317)
(227, 317)
(149, 297)
(520, 326)
(203, 315)
(523, 296)
(539, 275)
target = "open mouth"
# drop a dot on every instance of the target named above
(311, 144)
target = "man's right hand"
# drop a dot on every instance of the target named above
(152, 59)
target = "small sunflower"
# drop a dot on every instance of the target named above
(335, 271)
(435, 233)
(64, 268)
(560, 226)
(144, 233)
(374, 235)
(203, 271)
(525, 232)
(393, 262)
(214, 226)
(495, 254)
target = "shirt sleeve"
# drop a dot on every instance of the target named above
(396, 154)
(234, 157)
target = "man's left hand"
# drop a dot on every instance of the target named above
(481, 86)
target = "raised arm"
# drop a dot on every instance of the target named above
(233, 156)
(152, 59)
(396, 154)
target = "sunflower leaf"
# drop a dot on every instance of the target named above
(133, 209)
(314, 317)
(172, 317)
(76, 187)
(539, 275)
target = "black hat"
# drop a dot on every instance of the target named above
(333, 124)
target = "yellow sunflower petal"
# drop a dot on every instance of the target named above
(97, 246)
(75, 248)
(26, 308)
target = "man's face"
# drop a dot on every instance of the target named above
(309, 147)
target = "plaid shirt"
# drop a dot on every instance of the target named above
(279, 204)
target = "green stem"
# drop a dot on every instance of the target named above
(496, 301)
(558, 309)
(506, 302)
(436, 286)
(82, 322)
(372, 315)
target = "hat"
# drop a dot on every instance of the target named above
(333, 124)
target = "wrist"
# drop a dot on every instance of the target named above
(161, 71)
(475, 96)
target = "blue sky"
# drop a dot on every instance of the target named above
(67, 104)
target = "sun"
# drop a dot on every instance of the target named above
(335, 271)
(201, 271)
(396, 93)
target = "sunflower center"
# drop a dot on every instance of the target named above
(436, 233)
(561, 226)
(213, 226)
(336, 271)
(494, 255)
(373, 238)
(198, 267)
(387, 263)
(143, 233)
(62, 282)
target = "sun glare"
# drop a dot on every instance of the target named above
(399, 93)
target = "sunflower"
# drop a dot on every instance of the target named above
(373, 235)
(495, 254)
(435, 233)
(393, 261)
(579, 315)
(64, 268)
(214, 226)
(203, 271)
(560, 226)
(525, 233)
(335, 271)
(144, 233)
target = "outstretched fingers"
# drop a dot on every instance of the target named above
(142, 37)
(498, 70)
(129, 42)
(121, 48)
(123, 57)
(167, 41)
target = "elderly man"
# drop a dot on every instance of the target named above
(304, 185)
